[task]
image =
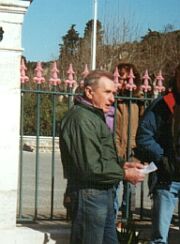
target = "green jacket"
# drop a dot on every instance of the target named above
(87, 148)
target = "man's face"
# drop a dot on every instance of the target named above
(123, 79)
(102, 96)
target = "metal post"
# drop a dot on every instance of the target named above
(94, 36)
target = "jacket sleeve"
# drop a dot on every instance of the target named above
(148, 149)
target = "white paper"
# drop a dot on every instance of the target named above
(149, 168)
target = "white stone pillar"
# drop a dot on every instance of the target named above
(11, 19)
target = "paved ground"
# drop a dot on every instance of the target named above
(59, 229)
(144, 228)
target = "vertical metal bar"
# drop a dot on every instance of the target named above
(128, 188)
(129, 126)
(21, 156)
(20, 217)
(142, 183)
(53, 150)
(115, 118)
(142, 201)
(70, 97)
(38, 102)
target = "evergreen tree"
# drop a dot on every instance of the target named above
(69, 49)
(77, 50)
(86, 43)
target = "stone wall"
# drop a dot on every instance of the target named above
(45, 143)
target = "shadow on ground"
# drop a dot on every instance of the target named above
(59, 230)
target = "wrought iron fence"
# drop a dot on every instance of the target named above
(60, 93)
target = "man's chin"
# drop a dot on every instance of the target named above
(106, 110)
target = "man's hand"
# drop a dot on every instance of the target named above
(132, 172)
(136, 164)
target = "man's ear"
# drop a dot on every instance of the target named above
(88, 92)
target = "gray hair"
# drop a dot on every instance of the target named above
(93, 77)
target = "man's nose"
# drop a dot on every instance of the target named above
(112, 98)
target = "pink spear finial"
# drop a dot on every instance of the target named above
(159, 87)
(54, 80)
(130, 85)
(116, 79)
(23, 77)
(84, 74)
(86, 71)
(146, 87)
(70, 81)
(39, 79)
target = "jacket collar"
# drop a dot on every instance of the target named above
(170, 101)
(86, 104)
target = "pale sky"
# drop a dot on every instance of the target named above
(46, 21)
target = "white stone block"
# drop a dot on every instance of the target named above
(11, 18)
(8, 209)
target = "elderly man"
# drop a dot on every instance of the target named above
(91, 164)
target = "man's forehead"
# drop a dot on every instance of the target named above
(107, 85)
(105, 81)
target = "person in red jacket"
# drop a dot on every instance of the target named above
(158, 140)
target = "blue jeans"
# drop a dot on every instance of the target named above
(93, 218)
(164, 202)
(116, 200)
